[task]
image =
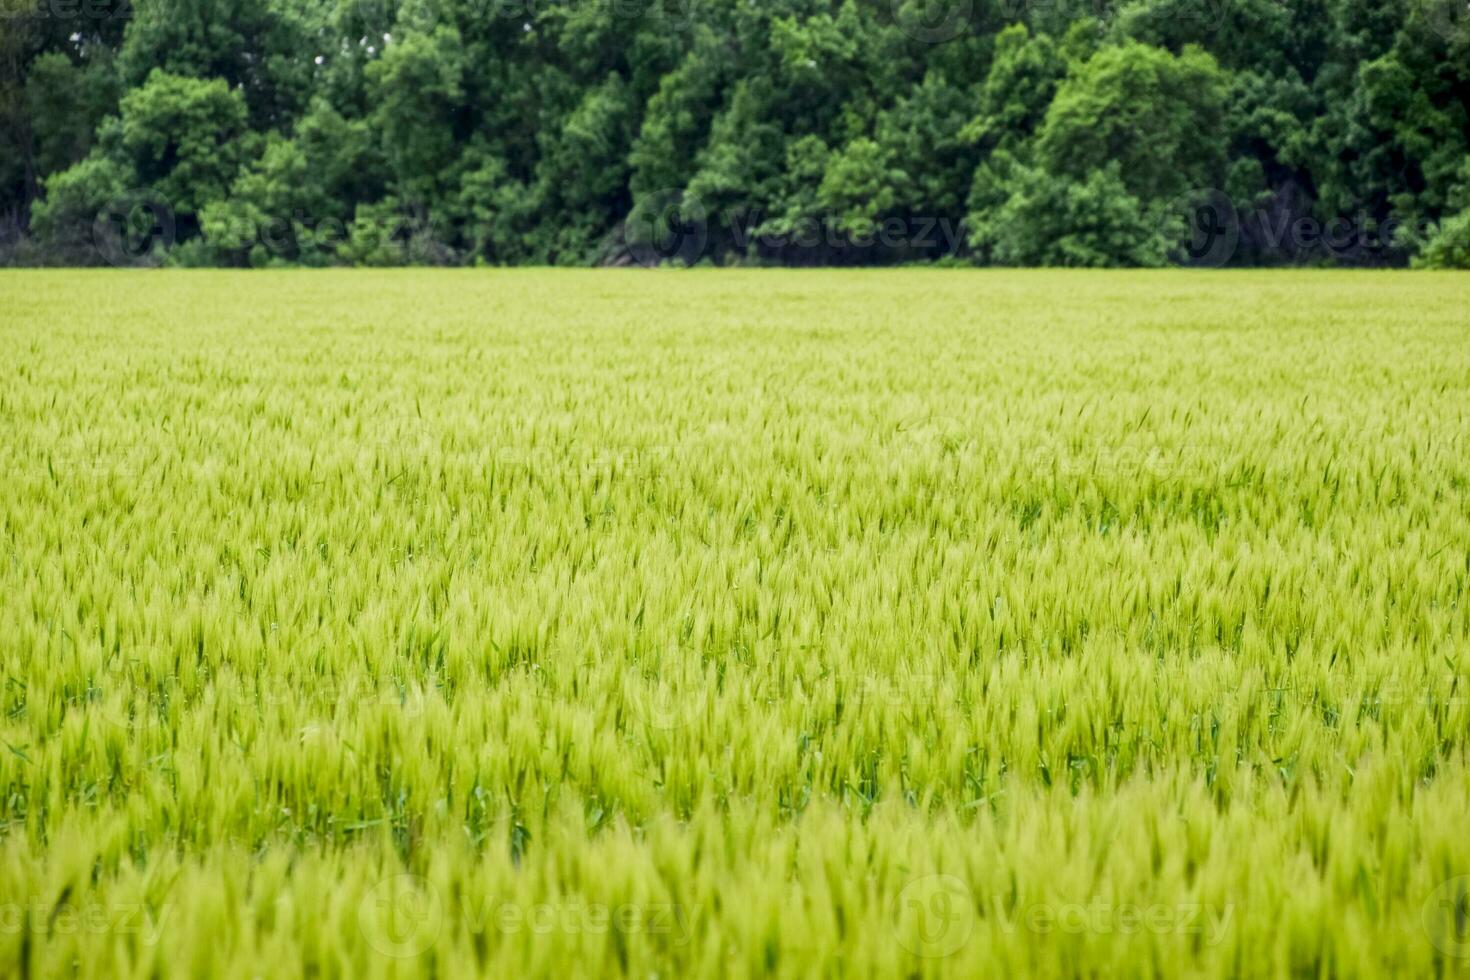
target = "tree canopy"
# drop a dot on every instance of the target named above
(574, 132)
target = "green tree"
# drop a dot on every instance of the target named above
(1159, 117)
(418, 90)
(179, 140)
(1091, 222)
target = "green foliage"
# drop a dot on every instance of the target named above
(929, 159)
(74, 199)
(677, 119)
(177, 139)
(417, 88)
(66, 99)
(1051, 220)
(857, 188)
(181, 137)
(1020, 86)
(1086, 190)
(891, 624)
(260, 48)
(1157, 119)
(540, 132)
(1449, 247)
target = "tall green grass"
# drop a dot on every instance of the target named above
(687, 624)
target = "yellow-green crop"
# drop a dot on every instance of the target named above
(671, 624)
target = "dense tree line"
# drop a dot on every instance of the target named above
(1015, 132)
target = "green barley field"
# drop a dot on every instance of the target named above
(706, 624)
